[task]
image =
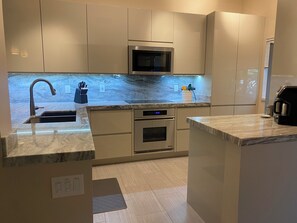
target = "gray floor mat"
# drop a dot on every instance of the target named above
(107, 196)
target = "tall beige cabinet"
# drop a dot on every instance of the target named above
(23, 35)
(107, 39)
(233, 60)
(189, 43)
(64, 26)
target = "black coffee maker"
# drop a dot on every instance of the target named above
(285, 106)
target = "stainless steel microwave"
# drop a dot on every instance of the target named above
(150, 60)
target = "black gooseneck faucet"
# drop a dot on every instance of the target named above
(32, 104)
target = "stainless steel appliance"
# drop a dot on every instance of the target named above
(153, 130)
(285, 106)
(150, 60)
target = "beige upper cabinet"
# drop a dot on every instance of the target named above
(107, 39)
(139, 24)
(162, 26)
(148, 25)
(23, 35)
(233, 56)
(284, 60)
(64, 27)
(189, 43)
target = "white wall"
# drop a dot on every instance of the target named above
(5, 124)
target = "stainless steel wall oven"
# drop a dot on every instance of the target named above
(154, 130)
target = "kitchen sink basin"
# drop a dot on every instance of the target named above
(53, 116)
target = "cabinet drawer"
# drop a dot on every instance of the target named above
(222, 110)
(182, 140)
(183, 113)
(111, 122)
(112, 146)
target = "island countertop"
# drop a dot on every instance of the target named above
(245, 130)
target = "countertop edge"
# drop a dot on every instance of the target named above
(242, 142)
(148, 106)
(48, 158)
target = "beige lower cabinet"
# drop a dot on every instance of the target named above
(112, 133)
(182, 140)
(182, 127)
(222, 110)
(233, 110)
(113, 146)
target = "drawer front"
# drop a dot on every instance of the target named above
(183, 113)
(113, 146)
(111, 122)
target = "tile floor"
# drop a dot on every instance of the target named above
(155, 192)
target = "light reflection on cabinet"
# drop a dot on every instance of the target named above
(23, 35)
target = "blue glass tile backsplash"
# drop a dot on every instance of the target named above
(104, 87)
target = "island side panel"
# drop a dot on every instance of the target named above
(268, 183)
(26, 194)
(213, 177)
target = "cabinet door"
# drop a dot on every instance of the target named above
(139, 24)
(182, 140)
(284, 60)
(107, 39)
(183, 113)
(162, 26)
(112, 146)
(189, 43)
(64, 36)
(222, 110)
(222, 56)
(23, 35)
(111, 122)
(250, 47)
(244, 109)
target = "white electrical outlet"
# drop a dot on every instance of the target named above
(67, 186)
(67, 89)
(175, 87)
(102, 87)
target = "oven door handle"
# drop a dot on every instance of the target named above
(147, 119)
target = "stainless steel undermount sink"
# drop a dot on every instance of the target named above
(53, 116)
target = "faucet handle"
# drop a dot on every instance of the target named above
(37, 107)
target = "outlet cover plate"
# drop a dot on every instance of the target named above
(67, 186)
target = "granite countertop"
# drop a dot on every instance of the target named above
(48, 142)
(245, 130)
(99, 105)
(67, 141)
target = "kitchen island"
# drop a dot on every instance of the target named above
(242, 169)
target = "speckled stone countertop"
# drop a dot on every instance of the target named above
(200, 102)
(67, 141)
(48, 142)
(245, 130)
